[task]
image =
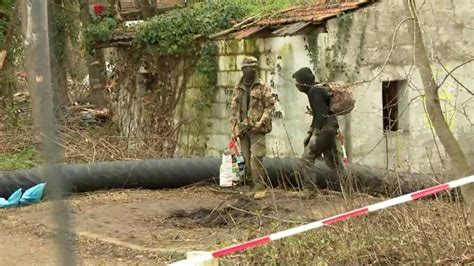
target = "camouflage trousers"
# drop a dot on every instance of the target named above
(253, 150)
(322, 142)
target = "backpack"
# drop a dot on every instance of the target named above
(342, 100)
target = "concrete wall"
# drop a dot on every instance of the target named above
(447, 27)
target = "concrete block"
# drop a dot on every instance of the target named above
(443, 18)
(372, 21)
(196, 80)
(378, 38)
(222, 96)
(219, 126)
(383, 19)
(401, 55)
(404, 37)
(221, 47)
(426, 18)
(228, 78)
(465, 19)
(192, 93)
(260, 43)
(228, 63)
(446, 4)
(392, 5)
(219, 110)
(449, 33)
(231, 47)
(467, 36)
(454, 50)
(360, 17)
(250, 46)
(238, 61)
(216, 144)
(228, 90)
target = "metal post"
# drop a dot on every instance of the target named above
(35, 19)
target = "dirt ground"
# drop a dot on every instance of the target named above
(155, 227)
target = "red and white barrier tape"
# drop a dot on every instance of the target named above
(337, 218)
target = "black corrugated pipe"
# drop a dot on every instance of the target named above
(175, 173)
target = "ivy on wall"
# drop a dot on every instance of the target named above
(331, 63)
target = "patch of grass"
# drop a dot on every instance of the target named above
(25, 158)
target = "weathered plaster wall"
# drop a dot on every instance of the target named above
(447, 27)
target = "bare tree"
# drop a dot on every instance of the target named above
(451, 145)
(58, 46)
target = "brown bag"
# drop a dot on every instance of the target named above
(342, 100)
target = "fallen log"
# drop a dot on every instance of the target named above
(175, 173)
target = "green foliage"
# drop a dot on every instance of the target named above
(268, 7)
(3, 29)
(6, 6)
(172, 34)
(208, 67)
(312, 48)
(336, 65)
(26, 158)
(62, 26)
(333, 58)
(99, 30)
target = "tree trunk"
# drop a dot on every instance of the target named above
(5, 46)
(458, 160)
(58, 40)
(95, 64)
(97, 78)
(7, 75)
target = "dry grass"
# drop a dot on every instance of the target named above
(419, 232)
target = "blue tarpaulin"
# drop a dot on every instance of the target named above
(31, 195)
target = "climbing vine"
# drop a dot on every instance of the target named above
(360, 48)
(335, 64)
(99, 30)
(332, 57)
(207, 66)
(312, 47)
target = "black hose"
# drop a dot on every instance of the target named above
(175, 173)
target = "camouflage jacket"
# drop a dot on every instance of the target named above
(260, 109)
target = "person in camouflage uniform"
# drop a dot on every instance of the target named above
(251, 119)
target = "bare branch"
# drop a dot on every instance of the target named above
(451, 75)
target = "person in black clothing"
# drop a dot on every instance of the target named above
(321, 139)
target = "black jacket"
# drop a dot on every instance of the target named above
(319, 100)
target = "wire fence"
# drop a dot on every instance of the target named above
(37, 48)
